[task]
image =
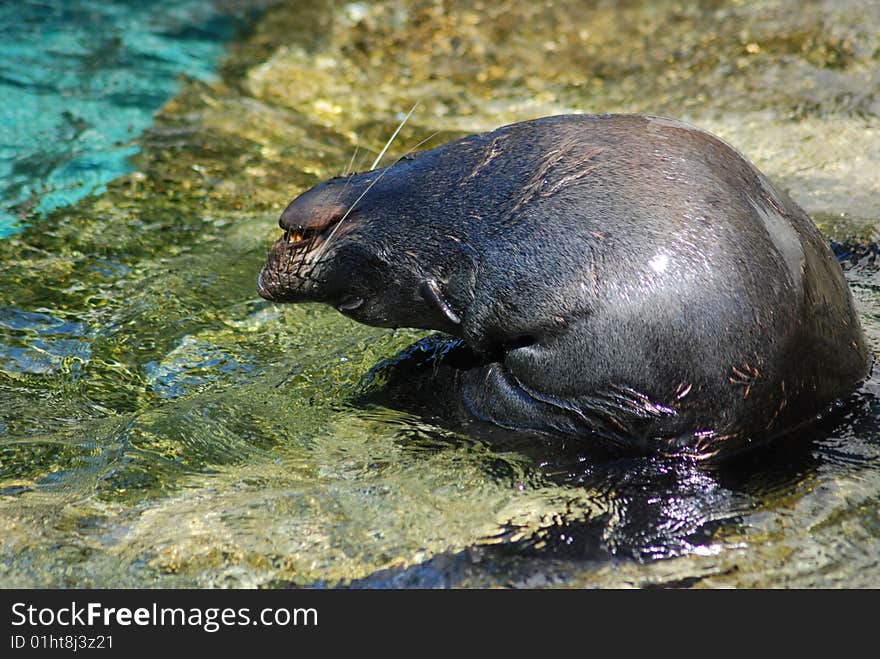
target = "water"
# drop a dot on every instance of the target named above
(162, 426)
(80, 81)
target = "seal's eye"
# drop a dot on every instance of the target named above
(307, 236)
(298, 235)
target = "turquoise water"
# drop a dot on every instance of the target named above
(80, 81)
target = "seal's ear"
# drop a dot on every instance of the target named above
(431, 293)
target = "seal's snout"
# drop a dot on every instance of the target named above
(293, 264)
(279, 276)
(262, 291)
(265, 294)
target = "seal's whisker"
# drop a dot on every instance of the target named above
(359, 165)
(341, 193)
(305, 253)
(393, 135)
(434, 134)
(350, 168)
(299, 263)
(323, 249)
(372, 167)
(289, 259)
(348, 174)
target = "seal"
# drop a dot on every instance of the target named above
(623, 278)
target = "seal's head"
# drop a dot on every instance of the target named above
(359, 253)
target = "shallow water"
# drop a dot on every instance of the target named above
(162, 426)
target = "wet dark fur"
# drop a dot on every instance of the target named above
(628, 278)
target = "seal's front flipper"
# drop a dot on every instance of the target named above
(431, 293)
(443, 381)
(422, 379)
